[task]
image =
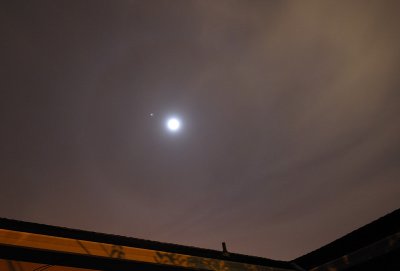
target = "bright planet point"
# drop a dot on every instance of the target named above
(173, 124)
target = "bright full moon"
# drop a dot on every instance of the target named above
(173, 124)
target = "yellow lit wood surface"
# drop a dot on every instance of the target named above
(61, 244)
(7, 265)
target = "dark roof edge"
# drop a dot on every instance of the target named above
(361, 237)
(37, 228)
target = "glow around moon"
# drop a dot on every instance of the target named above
(173, 124)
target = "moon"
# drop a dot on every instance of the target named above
(173, 124)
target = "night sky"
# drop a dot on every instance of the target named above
(290, 131)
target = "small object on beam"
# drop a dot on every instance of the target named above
(224, 250)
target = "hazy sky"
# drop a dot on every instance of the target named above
(290, 119)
